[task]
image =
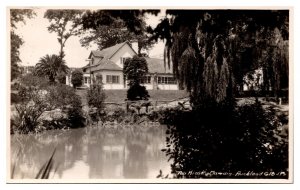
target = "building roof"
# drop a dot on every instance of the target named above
(106, 54)
(109, 65)
(156, 65)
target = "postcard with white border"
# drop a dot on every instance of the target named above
(150, 95)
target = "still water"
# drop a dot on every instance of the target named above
(92, 153)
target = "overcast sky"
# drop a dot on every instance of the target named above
(39, 42)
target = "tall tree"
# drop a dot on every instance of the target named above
(50, 65)
(135, 69)
(211, 52)
(109, 27)
(16, 16)
(65, 23)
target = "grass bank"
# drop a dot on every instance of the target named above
(118, 96)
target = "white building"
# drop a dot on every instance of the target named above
(107, 65)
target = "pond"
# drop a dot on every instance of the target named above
(92, 153)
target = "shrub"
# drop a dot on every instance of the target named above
(96, 97)
(118, 114)
(225, 138)
(64, 98)
(61, 77)
(135, 69)
(30, 80)
(77, 78)
(137, 92)
(74, 112)
(30, 111)
(60, 96)
(161, 115)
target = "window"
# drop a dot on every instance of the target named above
(123, 59)
(87, 80)
(93, 60)
(146, 80)
(113, 79)
(99, 78)
(166, 80)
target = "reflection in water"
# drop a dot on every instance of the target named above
(93, 153)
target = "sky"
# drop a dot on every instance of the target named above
(39, 42)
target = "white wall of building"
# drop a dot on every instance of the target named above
(95, 60)
(118, 73)
(125, 51)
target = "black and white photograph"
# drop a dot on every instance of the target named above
(150, 95)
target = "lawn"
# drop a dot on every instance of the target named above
(119, 96)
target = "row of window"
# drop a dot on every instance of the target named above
(112, 79)
(160, 80)
(146, 80)
(115, 79)
(166, 80)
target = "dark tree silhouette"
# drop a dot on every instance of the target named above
(107, 28)
(135, 69)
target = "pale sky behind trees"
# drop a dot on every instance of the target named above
(39, 42)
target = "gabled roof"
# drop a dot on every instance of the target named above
(156, 65)
(108, 66)
(107, 53)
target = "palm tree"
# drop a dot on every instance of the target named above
(50, 66)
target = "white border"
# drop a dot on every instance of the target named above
(153, 3)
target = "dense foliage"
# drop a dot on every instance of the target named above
(134, 70)
(50, 66)
(215, 49)
(137, 92)
(77, 78)
(229, 140)
(30, 81)
(105, 28)
(61, 77)
(28, 110)
(41, 106)
(95, 98)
